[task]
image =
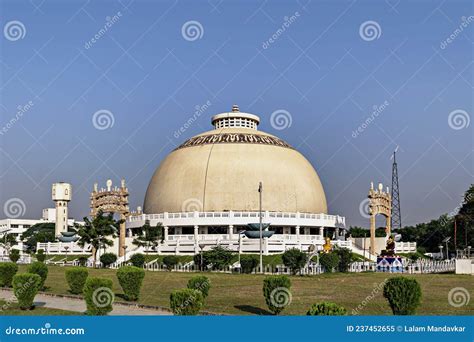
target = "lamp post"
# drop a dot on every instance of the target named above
(66, 248)
(260, 190)
(124, 247)
(441, 251)
(201, 246)
(468, 252)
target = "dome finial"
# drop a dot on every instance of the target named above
(235, 108)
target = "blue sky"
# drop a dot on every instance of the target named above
(324, 69)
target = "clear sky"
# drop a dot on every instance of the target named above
(146, 65)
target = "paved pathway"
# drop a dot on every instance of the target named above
(72, 304)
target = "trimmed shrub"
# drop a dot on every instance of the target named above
(40, 256)
(345, 258)
(403, 295)
(276, 290)
(294, 259)
(98, 295)
(329, 261)
(218, 258)
(14, 255)
(40, 269)
(108, 259)
(82, 260)
(76, 278)
(170, 261)
(138, 260)
(7, 272)
(326, 309)
(131, 279)
(186, 302)
(248, 263)
(25, 287)
(200, 283)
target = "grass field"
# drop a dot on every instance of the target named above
(12, 309)
(242, 294)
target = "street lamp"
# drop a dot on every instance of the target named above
(260, 190)
(124, 253)
(446, 240)
(66, 248)
(201, 246)
(441, 251)
(468, 252)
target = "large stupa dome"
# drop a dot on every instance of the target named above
(220, 170)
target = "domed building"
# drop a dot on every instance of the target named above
(206, 192)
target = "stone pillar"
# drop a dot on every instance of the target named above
(121, 236)
(165, 233)
(196, 233)
(230, 232)
(321, 231)
(388, 226)
(297, 232)
(372, 234)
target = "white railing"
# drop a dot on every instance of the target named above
(63, 248)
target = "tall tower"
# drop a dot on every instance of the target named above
(61, 194)
(396, 214)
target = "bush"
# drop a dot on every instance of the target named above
(345, 258)
(108, 259)
(40, 269)
(76, 278)
(294, 259)
(40, 256)
(82, 260)
(98, 295)
(248, 263)
(276, 290)
(138, 260)
(326, 309)
(7, 272)
(218, 257)
(200, 283)
(14, 255)
(25, 287)
(403, 295)
(186, 302)
(131, 279)
(170, 261)
(329, 261)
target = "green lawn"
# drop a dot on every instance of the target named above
(12, 309)
(242, 294)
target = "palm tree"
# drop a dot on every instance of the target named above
(148, 236)
(97, 232)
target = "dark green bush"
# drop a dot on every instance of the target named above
(40, 269)
(40, 256)
(326, 309)
(403, 295)
(82, 260)
(138, 260)
(170, 261)
(248, 263)
(200, 283)
(7, 271)
(294, 259)
(276, 290)
(218, 258)
(25, 287)
(345, 258)
(99, 296)
(76, 278)
(329, 261)
(14, 255)
(108, 259)
(186, 302)
(131, 279)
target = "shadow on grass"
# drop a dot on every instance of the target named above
(253, 309)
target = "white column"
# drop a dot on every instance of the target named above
(230, 232)
(337, 233)
(321, 231)
(297, 231)
(196, 233)
(165, 230)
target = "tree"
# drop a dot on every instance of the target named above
(329, 261)
(345, 258)
(108, 259)
(218, 257)
(148, 236)
(40, 232)
(14, 255)
(403, 295)
(294, 259)
(97, 232)
(465, 218)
